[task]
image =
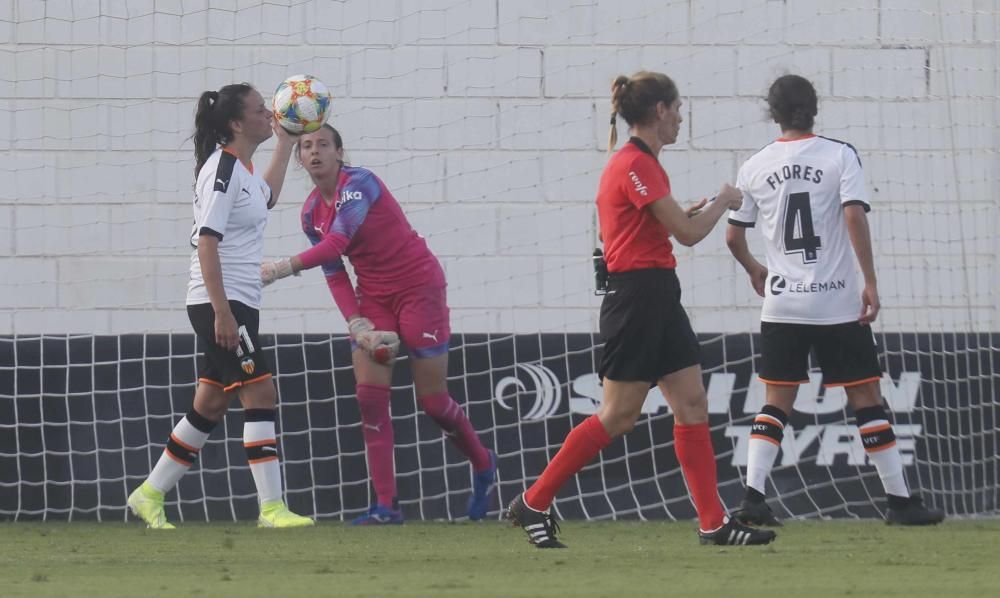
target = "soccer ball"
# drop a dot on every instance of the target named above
(301, 104)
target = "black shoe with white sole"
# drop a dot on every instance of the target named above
(734, 533)
(540, 526)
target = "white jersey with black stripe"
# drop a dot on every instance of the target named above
(231, 204)
(794, 191)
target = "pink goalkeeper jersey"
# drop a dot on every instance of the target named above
(367, 225)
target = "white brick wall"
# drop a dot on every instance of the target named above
(488, 119)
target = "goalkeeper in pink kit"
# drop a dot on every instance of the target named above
(400, 295)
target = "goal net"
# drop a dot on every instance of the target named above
(488, 121)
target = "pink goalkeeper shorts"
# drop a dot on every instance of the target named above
(419, 315)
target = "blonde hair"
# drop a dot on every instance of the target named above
(635, 99)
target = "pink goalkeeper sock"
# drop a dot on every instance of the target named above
(376, 426)
(452, 419)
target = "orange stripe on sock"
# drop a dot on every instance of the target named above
(262, 460)
(854, 383)
(881, 448)
(763, 417)
(178, 459)
(260, 443)
(878, 428)
(767, 438)
(185, 445)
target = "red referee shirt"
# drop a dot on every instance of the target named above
(633, 237)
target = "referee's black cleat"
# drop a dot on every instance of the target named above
(756, 513)
(734, 533)
(541, 527)
(911, 512)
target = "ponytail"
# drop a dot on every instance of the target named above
(617, 87)
(216, 109)
(204, 129)
(635, 99)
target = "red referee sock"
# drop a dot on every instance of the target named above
(581, 446)
(693, 445)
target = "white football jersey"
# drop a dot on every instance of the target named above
(795, 192)
(230, 203)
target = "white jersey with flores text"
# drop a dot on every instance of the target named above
(795, 192)
(231, 204)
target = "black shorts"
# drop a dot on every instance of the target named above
(645, 330)
(219, 366)
(846, 353)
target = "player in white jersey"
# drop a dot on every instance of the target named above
(807, 196)
(231, 205)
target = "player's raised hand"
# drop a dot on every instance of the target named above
(869, 305)
(730, 197)
(758, 278)
(281, 133)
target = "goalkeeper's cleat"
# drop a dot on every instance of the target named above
(146, 503)
(913, 513)
(276, 514)
(483, 484)
(380, 515)
(734, 533)
(756, 513)
(540, 526)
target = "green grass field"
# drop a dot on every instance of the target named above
(492, 559)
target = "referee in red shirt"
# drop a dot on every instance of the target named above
(648, 338)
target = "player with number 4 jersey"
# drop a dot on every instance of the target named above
(807, 196)
(400, 295)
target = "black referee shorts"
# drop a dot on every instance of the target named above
(645, 330)
(846, 353)
(220, 366)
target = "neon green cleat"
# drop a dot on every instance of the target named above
(276, 514)
(146, 503)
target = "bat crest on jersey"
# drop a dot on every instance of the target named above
(248, 365)
(245, 350)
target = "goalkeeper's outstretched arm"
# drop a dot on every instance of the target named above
(330, 249)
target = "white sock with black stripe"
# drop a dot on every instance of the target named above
(766, 434)
(183, 446)
(879, 441)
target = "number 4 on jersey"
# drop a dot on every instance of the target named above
(798, 219)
